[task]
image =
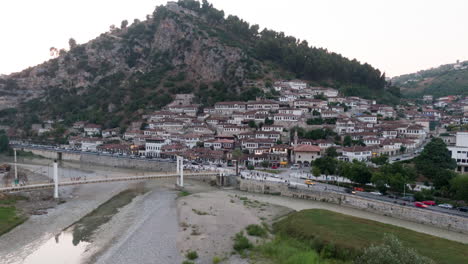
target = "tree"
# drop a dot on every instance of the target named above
(331, 152)
(356, 171)
(459, 187)
(265, 164)
(252, 124)
(392, 251)
(402, 149)
(433, 158)
(4, 143)
(124, 24)
(395, 175)
(326, 165)
(347, 141)
(72, 43)
(269, 121)
(380, 160)
(236, 155)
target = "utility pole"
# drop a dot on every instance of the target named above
(180, 170)
(16, 168)
(56, 195)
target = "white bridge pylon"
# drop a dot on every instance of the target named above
(180, 170)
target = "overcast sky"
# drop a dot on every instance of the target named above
(396, 36)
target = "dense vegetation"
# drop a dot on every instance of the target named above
(146, 78)
(441, 81)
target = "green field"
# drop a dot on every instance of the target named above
(9, 219)
(351, 235)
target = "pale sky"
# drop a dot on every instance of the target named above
(396, 36)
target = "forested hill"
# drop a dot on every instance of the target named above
(449, 79)
(183, 47)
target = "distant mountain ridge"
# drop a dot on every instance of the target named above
(448, 79)
(184, 47)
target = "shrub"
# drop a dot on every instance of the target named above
(192, 255)
(256, 230)
(188, 262)
(241, 242)
(216, 260)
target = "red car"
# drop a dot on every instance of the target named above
(429, 203)
(274, 166)
(420, 205)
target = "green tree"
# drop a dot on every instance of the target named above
(252, 124)
(269, 121)
(326, 165)
(4, 143)
(72, 43)
(331, 152)
(395, 175)
(124, 24)
(347, 141)
(392, 251)
(459, 187)
(380, 160)
(433, 158)
(356, 171)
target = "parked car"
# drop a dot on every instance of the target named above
(420, 205)
(446, 206)
(408, 198)
(392, 196)
(431, 203)
(295, 167)
(463, 209)
(274, 166)
(358, 189)
(351, 191)
(376, 193)
(309, 182)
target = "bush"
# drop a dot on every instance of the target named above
(188, 262)
(241, 242)
(216, 260)
(256, 230)
(392, 251)
(192, 255)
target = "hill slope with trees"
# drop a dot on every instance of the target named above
(449, 79)
(188, 47)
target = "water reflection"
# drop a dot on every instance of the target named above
(61, 249)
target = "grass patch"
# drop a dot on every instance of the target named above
(84, 228)
(345, 237)
(216, 260)
(11, 199)
(183, 193)
(241, 243)
(9, 219)
(192, 255)
(198, 212)
(288, 250)
(256, 230)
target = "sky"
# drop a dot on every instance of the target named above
(395, 36)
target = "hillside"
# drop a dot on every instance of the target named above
(449, 79)
(182, 48)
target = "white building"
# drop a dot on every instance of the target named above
(459, 152)
(154, 146)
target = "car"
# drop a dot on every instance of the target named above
(309, 182)
(274, 167)
(376, 193)
(408, 198)
(295, 167)
(446, 206)
(351, 191)
(463, 209)
(219, 165)
(420, 205)
(431, 203)
(392, 196)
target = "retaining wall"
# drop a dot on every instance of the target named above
(441, 220)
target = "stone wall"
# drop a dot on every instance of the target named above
(446, 221)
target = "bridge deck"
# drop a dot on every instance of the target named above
(131, 178)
